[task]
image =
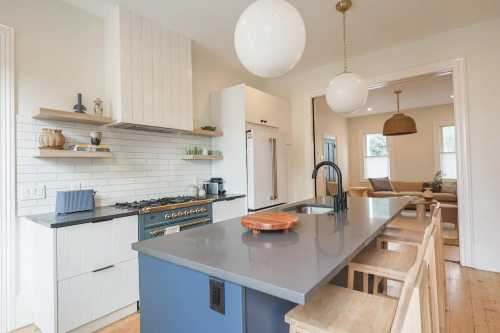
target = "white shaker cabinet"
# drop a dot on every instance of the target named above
(87, 275)
(228, 209)
(264, 109)
(234, 109)
(149, 73)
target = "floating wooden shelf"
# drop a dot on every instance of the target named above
(202, 158)
(211, 134)
(48, 153)
(83, 118)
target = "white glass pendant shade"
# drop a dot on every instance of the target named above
(347, 92)
(270, 37)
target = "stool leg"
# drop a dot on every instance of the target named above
(380, 244)
(365, 282)
(376, 284)
(350, 278)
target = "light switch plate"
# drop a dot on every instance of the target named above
(32, 192)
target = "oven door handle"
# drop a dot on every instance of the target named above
(195, 222)
(163, 231)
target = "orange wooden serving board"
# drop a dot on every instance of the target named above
(269, 221)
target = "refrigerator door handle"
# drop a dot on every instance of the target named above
(274, 157)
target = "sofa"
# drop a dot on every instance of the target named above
(401, 188)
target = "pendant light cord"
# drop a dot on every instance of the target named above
(397, 92)
(345, 41)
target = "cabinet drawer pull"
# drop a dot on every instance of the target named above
(102, 269)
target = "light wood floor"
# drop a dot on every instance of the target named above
(473, 304)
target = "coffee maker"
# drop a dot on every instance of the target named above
(220, 185)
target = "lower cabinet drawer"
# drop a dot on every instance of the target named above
(90, 296)
(86, 247)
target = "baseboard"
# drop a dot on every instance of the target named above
(107, 320)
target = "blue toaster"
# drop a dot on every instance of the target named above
(74, 201)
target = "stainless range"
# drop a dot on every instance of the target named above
(164, 216)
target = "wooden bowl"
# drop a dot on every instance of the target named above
(269, 221)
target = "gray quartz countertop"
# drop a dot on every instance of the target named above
(53, 220)
(286, 265)
(225, 197)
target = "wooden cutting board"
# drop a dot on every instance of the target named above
(269, 221)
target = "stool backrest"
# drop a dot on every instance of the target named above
(415, 292)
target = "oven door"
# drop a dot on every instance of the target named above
(172, 229)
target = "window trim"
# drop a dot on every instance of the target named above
(438, 145)
(364, 155)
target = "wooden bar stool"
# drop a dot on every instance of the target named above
(405, 230)
(335, 309)
(385, 264)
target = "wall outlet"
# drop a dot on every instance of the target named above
(87, 185)
(76, 186)
(32, 192)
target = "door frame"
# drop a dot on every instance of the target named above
(457, 67)
(7, 173)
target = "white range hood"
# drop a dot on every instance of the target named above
(148, 74)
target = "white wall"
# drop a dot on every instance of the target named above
(478, 44)
(412, 157)
(211, 75)
(60, 52)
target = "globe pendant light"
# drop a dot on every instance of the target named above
(399, 123)
(347, 91)
(270, 37)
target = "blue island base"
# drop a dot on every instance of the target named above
(176, 299)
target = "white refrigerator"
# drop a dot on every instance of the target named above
(266, 167)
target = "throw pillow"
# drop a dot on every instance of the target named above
(449, 187)
(381, 184)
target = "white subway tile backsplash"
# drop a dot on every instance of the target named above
(144, 165)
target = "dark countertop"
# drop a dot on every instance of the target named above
(226, 197)
(53, 220)
(286, 265)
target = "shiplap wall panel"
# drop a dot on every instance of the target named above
(136, 70)
(167, 83)
(124, 91)
(147, 69)
(144, 165)
(156, 74)
(172, 106)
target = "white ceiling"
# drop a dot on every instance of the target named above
(417, 92)
(372, 24)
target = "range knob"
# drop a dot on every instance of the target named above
(167, 216)
(174, 215)
(204, 210)
(192, 211)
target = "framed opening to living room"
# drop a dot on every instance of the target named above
(457, 69)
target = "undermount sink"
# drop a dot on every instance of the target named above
(309, 209)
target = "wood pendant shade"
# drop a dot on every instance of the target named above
(399, 123)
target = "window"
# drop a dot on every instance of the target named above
(448, 152)
(376, 159)
(329, 151)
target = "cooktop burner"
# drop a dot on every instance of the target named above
(156, 202)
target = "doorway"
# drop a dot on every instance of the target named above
(455, 69)
(330, 143)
